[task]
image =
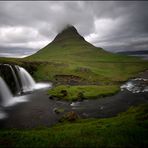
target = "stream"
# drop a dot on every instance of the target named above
(38, 110)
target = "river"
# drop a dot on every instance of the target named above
(39, 111)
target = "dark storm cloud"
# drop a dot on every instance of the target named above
(124, 22)
(114, 25)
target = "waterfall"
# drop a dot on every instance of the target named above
(28, 84)
(5, 93)
(6, 97)
(13, 81)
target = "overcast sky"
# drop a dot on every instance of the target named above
(26, 27)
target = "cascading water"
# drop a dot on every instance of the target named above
(6, 96)
(28, 84)
(137, 85)
(5, 93)
(17, 77)
(15, 80)
(8, 73)
(7, 99)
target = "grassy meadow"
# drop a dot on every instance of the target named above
(129, 129)
(83, 92)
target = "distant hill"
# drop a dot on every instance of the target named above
(139, 52)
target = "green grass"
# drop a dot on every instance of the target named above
(88, 91)
(129, 129)
(69, 53)
(97, 72)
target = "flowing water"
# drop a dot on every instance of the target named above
(7, 99)
(39, 110)
(28, 83)
(132, 92)
(5, 93)
(137, 85)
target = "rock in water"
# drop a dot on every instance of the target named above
(70, 116)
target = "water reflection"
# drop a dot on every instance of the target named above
(3, 115)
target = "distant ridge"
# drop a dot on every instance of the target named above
(134, 52)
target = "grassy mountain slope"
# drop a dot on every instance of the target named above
(70, 54)
(68, 46)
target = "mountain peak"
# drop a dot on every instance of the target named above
(68, 44)
(68, 32)
(69, 28)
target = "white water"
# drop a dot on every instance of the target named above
(137, 85)
(42, 86)
(28, 82)
(6, 96)
(5, 93)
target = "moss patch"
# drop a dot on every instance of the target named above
(83, 92)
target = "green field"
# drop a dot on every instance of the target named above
(129, 129)
(83, 92)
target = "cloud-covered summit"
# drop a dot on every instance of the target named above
(26, 27)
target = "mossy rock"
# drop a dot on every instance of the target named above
(70, 116)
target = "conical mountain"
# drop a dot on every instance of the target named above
(69, 58)
(68, 45)
(68, 33)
